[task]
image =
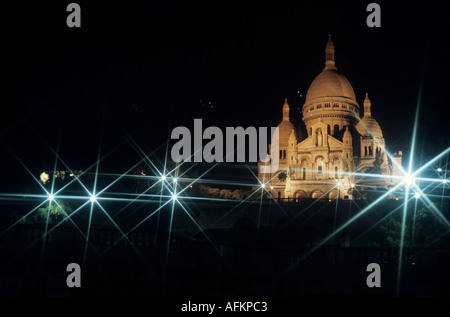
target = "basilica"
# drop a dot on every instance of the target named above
(341, 154)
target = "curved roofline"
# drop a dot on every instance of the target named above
(331, 80)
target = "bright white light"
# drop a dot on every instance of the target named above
(444, 181)
(439, 169)
(417, 195)
(409, 180)
(271, 187)
(352, 185)
(339, 183)
(174, 197)
(263, 185)
(51, 197)
(93, 198)
(175, 180)
(163, 178)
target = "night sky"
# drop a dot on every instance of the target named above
(140, 69)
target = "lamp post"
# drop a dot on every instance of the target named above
(411, 230)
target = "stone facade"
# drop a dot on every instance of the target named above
(341, 152)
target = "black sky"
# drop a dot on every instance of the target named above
(141, 68)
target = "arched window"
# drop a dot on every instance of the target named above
(281, 154)
(336, 130)
(319, 163)
(365, 151)
(284, 154)
(370, 151)
(336, 169)
(328, 129)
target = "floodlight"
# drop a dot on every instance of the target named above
(409, 180)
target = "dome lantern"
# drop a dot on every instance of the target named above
(285, 127)
(285, 110)
(329, 53)
(367, 105)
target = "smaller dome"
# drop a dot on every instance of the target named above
(293, 136)
(368, 126)
(285, 128)
(347, 134)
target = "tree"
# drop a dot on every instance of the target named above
(55, 212)
(428, 228)
(212, 192)
(390, 232)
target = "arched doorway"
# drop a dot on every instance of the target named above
(317, 194)
(300, 194)
(333, 195)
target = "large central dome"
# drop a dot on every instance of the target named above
(330, 83)
(330, 98)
